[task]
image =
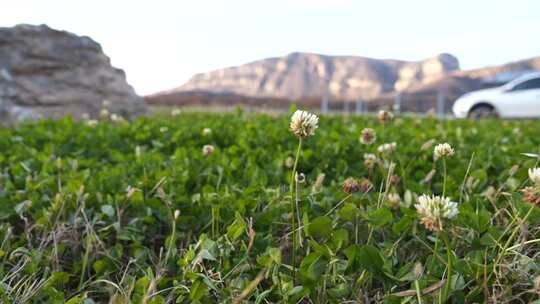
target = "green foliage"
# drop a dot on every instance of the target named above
(133, 212)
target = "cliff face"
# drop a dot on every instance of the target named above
(304, 75)
(45, 72)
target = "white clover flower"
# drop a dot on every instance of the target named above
(92, 123)
(367, 136)
(442, 150)
(304, 124)
(207, 131)
(434, 209)
(385, 116)
(175, 112)
(534, 175)
(370, 160)
(163, 129)
(393, 199)
(207, 150)
(387, 148)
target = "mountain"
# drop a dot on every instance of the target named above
(304, 75)
(46, 72)
(305, 78)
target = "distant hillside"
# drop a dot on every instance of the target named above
(305, 78)
(301, 75)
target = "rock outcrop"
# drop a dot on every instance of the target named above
(45, 72)
(304, 75)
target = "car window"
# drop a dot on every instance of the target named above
(528, 85)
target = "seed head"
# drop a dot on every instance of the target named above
(385, 116)
(387, 148)
(433, 210)
(303, 124)
(442, 150)
(366, 185)
(367, 136)
(534, 175)
(531, 195)
(351, 185)
(300, 178)
(207, 131)
(207, 150)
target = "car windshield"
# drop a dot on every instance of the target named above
(533, 83)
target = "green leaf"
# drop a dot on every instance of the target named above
(320, 227)
(108, 210)
(313, 266)
(380, 217)
(370, 258)
(198, 290)
(236, 229)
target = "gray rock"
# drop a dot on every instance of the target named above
(45, 72)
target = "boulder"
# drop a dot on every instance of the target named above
(50, 73)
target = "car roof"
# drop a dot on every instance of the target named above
(525, 77)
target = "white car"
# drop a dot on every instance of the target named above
(516, 99)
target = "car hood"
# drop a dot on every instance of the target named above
(485, 93)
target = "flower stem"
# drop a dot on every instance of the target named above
(293, 208)
(418, 292)
(444, 177)
(449, 271)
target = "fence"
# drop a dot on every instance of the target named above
(435, 103)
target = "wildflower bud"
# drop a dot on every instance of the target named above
(393, 200)
(351, 185)
(300, 178)
(370, 160)
(427, 145)
(138, 152)
(534, 175)
(319, 182)
(175, 112)
(429, 176)
(104, 114)
(385, 116)
(74, 165)
(513, 170)
(130, 191)
(387, 148)
(176, 214)
(59, 163)
(303, 124)
(289, 162)
(442, 150)
(207, 131)
(163, 129)
(418, 270)
(92, 123)
(207, 150)
(367, 136)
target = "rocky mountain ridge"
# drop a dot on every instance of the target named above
(304, 75)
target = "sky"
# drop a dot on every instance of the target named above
(162, 43)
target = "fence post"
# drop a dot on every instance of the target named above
(346, 107)
(324, 104)
(359, 110)
(440, 105)
(397, 103)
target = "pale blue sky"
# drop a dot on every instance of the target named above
(161, 43)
